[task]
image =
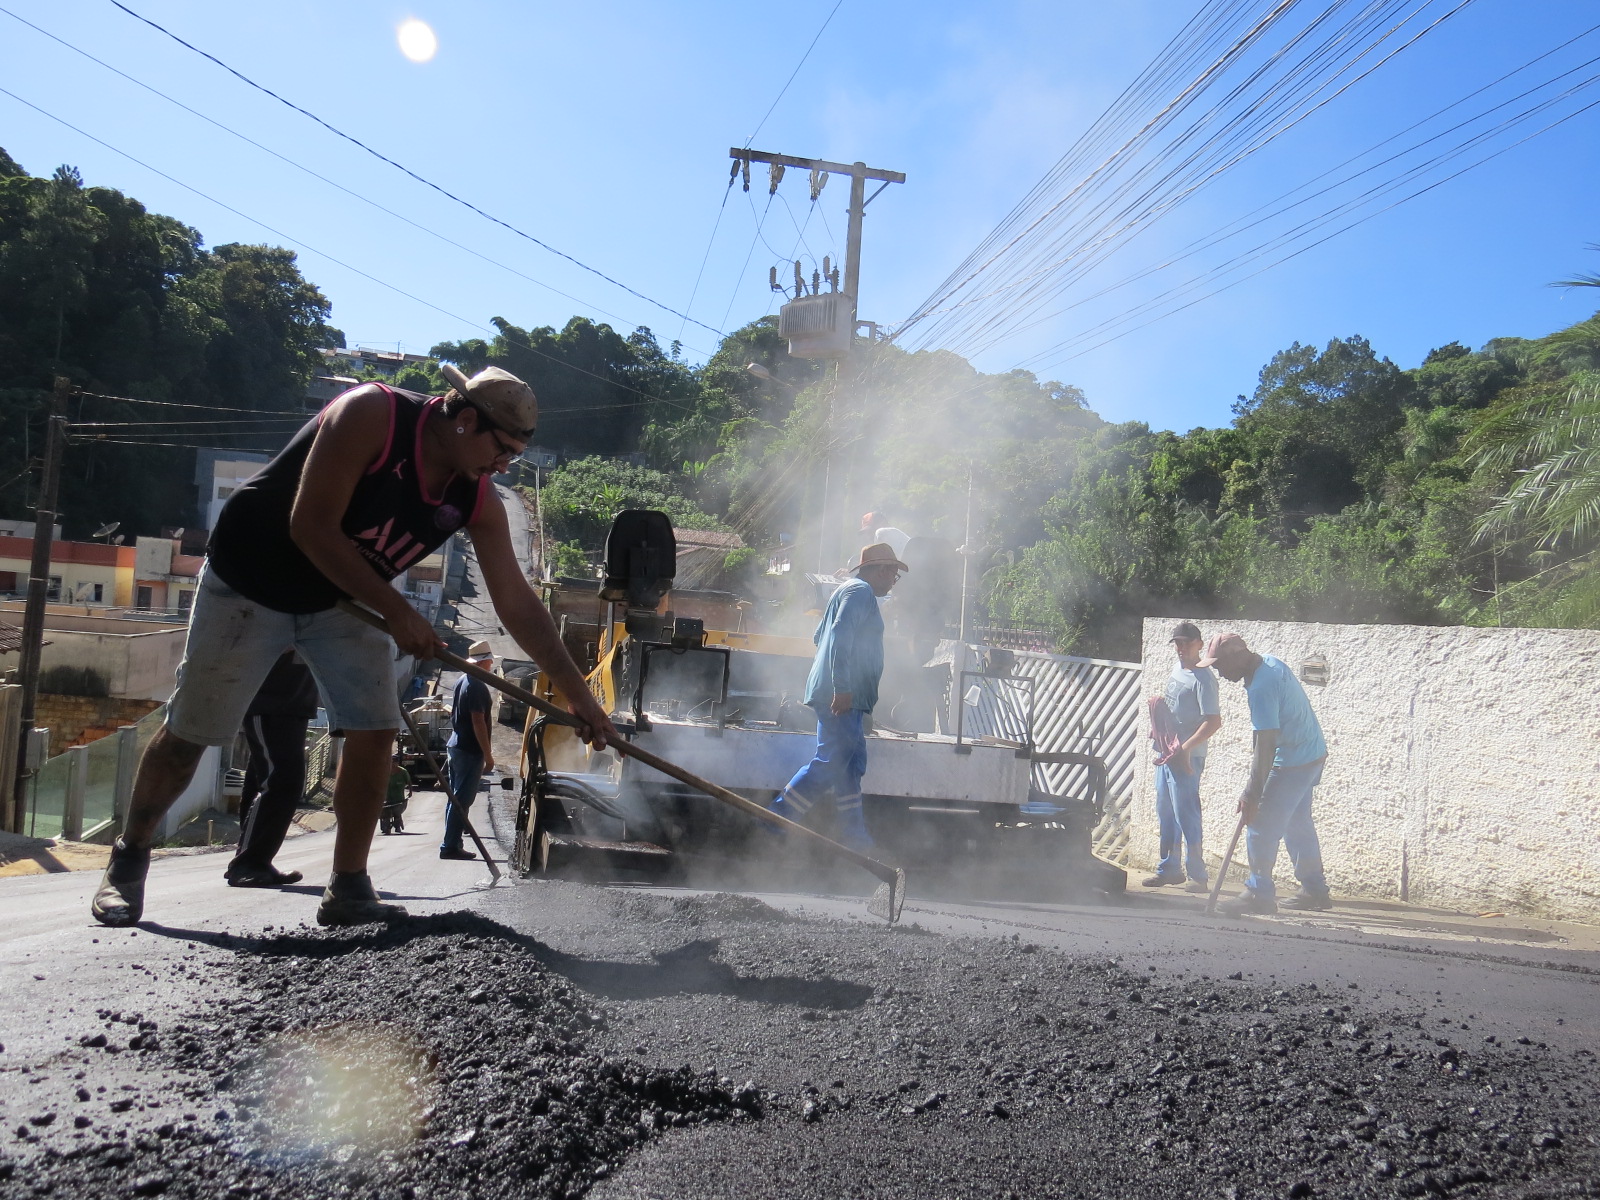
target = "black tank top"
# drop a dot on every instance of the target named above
(391, 519)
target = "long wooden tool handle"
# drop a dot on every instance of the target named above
(444, 786)
(1227, 861)
(883, 871)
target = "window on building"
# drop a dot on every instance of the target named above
(53, 592)
(8, 581)
(97, 594)
(185, 599)
(143, 597)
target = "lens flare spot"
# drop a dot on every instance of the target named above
(335, 1093)
(417, 40)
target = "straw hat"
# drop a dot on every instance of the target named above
(479, 651)
(878, 554)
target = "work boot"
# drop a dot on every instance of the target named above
(457, 853)
(119, 900)
(351, 900)
(1248, 904)
(261, 877)
(1155, 881)
(1310, 901)
(1198, 886)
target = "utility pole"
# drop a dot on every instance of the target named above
(859, 173)
(820, 169)
(44, 521)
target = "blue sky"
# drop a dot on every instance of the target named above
(603, 129)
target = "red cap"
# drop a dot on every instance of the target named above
(1217, 645)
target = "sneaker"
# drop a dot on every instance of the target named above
(351, 900)
(1163, 881)
(457, 853)
(1198, 886)
(1310, 901)
(1248, 904)
(119, 900)
(262, 877)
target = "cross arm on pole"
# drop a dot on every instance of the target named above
(860, 170)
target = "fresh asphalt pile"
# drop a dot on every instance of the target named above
(607, 1051)
(435, 1057)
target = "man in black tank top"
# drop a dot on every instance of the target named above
(380, 478)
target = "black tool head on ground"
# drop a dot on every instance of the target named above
(889, 898)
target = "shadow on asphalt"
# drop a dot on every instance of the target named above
(689, 969)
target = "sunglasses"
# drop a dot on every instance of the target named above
(510, 453)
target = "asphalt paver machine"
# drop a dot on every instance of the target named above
(954, 810)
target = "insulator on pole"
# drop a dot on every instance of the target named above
(827, 269)
(745, 163)
(816, 282)
(772, 279)
(834, 280)
(819, 180)
(799, 280)
(774, 178)
(733, 171)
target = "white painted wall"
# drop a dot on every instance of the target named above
(137, 666)
(1463, 764)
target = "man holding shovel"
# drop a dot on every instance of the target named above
(842, 690)
(378, 479)
(1285, 770)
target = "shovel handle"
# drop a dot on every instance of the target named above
(1222, 871)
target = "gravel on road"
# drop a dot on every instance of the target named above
(563, 1040)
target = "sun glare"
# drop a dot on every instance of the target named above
(417, 40)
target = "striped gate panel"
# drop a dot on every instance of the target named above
(1080, 705)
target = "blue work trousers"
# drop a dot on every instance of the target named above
(832, 776)
(1284, 815)
(1178, 811)
(465, 768)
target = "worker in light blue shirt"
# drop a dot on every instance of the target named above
(1285, 770)
(842, 690)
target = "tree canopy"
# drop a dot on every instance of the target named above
(126, 302)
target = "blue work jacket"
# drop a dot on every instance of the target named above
(849, 642)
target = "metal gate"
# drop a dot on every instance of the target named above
(1078, 705)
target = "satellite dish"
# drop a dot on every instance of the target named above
(119, 539)
(108, 529)
(177, 533)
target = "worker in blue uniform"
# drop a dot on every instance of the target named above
(842, 690)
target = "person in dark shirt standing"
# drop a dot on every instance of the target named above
(275, 728)
(468, 754)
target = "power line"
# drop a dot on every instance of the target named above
(1060, 232)
(449, 241)
(408, 171)
(792, 74)
(339, 262)
(750, 253)
(733, 174)
(1303, 249)
(710, 242)
(1276, 207)
(173, 403)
